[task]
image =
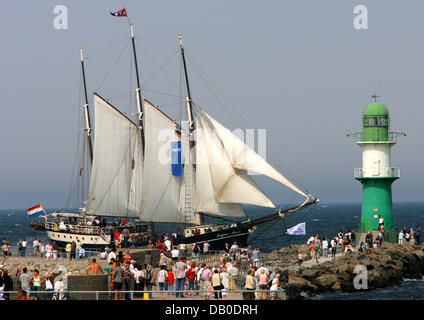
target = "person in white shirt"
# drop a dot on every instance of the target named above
(206, 246)
(111, 256)
(233, 271)
(325, 247)
(175, 254)
(168, 244)
(234, 247)
(62, 226)
(258, 272)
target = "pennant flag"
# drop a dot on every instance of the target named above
(299, 229)
(177, 165)
(36, 210)
(120, 13)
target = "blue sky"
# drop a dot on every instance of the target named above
(296, 68)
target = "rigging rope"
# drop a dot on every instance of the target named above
(105, 49)
(160, 69)
(157, 64)
(112, 67)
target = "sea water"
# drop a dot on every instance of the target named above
(323, 219)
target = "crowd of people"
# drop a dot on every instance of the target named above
(409, 235)
(342, 242)
(31, 284)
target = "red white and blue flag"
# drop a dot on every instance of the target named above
(120, 13)
(36, 210)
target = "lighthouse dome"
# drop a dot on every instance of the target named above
(376, 109)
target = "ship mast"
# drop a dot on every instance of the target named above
(138, 90)
(86, 112)
(140, 105)
(189, 106)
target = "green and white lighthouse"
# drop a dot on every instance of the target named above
(376, 174)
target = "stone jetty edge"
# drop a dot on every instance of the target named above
(386, 266)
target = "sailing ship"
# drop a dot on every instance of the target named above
(156, 170)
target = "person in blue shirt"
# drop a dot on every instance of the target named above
(255, 256)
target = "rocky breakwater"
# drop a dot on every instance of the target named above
(386, 266)
(52, 267)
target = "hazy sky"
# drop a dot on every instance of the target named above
(296, 68)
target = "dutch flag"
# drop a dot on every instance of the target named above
(36, 210)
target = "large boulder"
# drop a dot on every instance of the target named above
(300, 283)
(325, 281)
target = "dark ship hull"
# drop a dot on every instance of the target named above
(218, 239)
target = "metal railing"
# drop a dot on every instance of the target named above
(152, 294)
(359, 136)
(72, 228)
(389, 172)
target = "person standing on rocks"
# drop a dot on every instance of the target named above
(381, 223)
(417, 235)
(400, 237)
(299, 258)
(317, 249)
(324, 247)
(68, 250)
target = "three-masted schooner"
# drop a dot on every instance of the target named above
(158, 170)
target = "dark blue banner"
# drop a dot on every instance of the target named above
(177, 166)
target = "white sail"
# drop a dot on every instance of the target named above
(161, 192)
(245, 158)
(116, 171)
(205, 196)
(230, 185)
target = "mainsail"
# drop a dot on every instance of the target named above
(115, 185)
(161, 194)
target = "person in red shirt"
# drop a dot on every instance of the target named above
(191, 276)
(116, 237)
(171, 279)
